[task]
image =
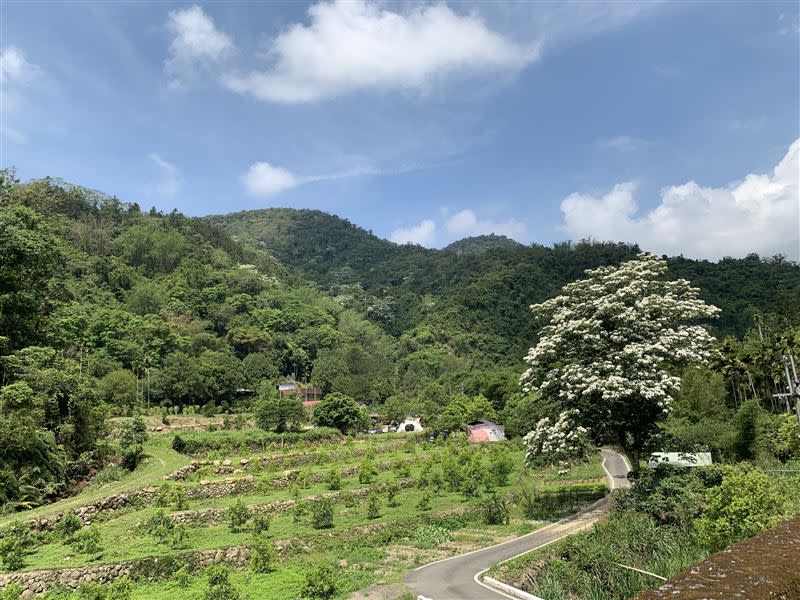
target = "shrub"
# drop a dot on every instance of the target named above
(391, 494)
(424, 503)
(120, 589)
(495, 510)
(322, 513)
(562, 440)
(320, 582)
(132, 456)
(68, 525)
(430, 536)
(333, 481)
(12, 552)
(261, 524)
(367, 472)
(502, 465)
(402, 470)
(746, 503)
(87, 541)
(218, 584)
(179, 445)
(237, 515)
(182, 577)
(178, 537)
(160, 526)
(373, 505)
(263, 556)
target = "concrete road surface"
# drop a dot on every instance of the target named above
(456, 578)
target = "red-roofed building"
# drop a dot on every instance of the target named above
(308, 395)
(485, 431)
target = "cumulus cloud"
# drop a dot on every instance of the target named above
(196, 43)
(20, 80)
(263, 179)
(169, 182)
(422, 234)
(355, 45)
(760, 213)
(467, 223)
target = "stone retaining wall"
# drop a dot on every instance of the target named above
(214, 515)
(38, 582)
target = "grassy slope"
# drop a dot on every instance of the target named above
(162, 460)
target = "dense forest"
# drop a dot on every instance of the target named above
(474, 293)
(106, 309)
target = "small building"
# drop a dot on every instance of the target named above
(680, 459)
(485, 431)
(410, 425)
(307, 394)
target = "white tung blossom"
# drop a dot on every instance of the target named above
(552, 442)
(615, 338)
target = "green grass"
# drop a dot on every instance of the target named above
(162, 460)
(367, 550)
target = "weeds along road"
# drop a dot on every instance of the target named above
(457, 578)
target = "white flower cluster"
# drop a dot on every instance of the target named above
(617, 335)
(551, 442)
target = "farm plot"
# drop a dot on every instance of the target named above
(372, 506)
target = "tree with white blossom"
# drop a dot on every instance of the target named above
(561, 441)
(613, 346)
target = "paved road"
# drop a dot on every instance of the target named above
(455, 578)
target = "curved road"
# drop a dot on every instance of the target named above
(456, 578)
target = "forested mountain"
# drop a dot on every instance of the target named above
(474, 293)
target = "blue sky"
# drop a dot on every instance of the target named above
(672, 125)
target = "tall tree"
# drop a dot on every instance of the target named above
(612, 346)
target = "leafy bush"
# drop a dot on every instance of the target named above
(367, 472)
(391, 494)
(261, 524)
(669, 495)
(218, 584)
(320, 582)
(237, 515)
(322, 513)
(424, 503)
(746, 503)
(134, 433)
(495, 510)
(401, 470)
(68, 525)
(132, 456)
(178, 444)
(263, 556)
(333, 481)
(160, 526)
(373, 505)
(12, 552)
(502, 465)
(430, 536)
(87, 541)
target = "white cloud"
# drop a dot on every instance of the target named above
(759, 214)
(15, 68)
(466, 223)
(422, 234)
(20, 80)
(263, 179)
(169, 182)
(623, 143)
(355, 45)
(197, 43)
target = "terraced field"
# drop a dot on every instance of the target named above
(396, 502)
